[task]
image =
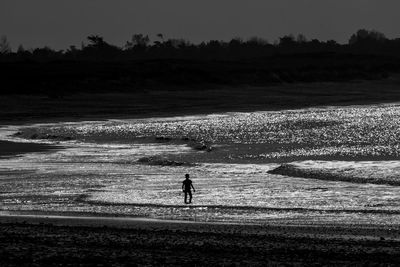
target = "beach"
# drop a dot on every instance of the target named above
(87, 241)
(274, 185)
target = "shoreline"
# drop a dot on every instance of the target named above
(23, 109)
(121, 116)
(100, 220)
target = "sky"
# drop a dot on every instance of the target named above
(61, 23)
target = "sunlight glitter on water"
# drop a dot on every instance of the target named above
(101, 168)
(354, 131)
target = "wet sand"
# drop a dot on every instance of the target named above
(41, 240)
(9, 149)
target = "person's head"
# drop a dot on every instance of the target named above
(187, 176)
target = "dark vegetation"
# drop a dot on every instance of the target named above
(169, 64)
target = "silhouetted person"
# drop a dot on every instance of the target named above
(187, 188)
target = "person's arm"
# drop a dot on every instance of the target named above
(183, 184)
(194, 190)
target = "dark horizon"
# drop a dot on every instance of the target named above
(370, 41)
(61, 24)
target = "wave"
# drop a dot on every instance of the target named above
(157, 160)
(332, 175)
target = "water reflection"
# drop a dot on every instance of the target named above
(100, 169)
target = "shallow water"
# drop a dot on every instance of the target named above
(343, 167)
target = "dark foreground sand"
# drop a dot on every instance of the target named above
(40, 241)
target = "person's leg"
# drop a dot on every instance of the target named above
(186, 193)
(190, 196)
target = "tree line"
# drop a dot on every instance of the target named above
(141, 47)
(166, 64)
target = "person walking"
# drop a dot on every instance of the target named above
(187, 186)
